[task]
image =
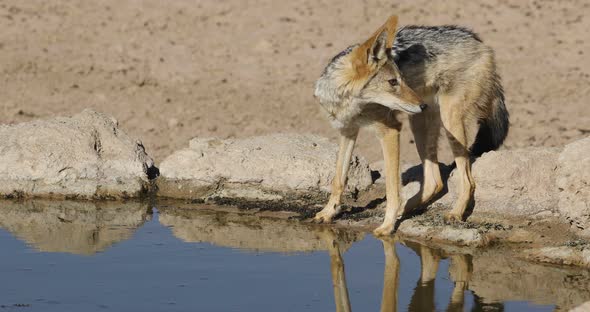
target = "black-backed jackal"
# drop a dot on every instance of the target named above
(440, 76)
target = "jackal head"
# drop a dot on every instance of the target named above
(363, 74)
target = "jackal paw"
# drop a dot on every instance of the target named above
(384, 229)
(453, 217)
(324, 216)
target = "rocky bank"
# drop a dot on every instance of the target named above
(85, 156)
(536, 199)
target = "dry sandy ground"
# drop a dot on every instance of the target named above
(172, 70)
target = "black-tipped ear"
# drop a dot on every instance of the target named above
(378, 52)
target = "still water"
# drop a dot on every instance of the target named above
(67, 256)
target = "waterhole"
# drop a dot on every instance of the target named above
(72, 256)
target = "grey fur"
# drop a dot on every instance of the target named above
(325, 90)
(448, 68)
(418, 49)
(434, 60)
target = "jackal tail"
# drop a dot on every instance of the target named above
(493, 129)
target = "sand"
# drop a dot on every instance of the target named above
(173, 70)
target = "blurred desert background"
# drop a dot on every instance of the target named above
(173, 70)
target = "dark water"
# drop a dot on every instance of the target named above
(129, 257)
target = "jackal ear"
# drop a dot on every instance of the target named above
(391, 27)
(377, 54)
(381, 41)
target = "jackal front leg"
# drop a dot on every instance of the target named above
(390, 144)
(347, 140)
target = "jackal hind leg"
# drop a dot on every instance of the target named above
(426, 129)
(332, 208)
(453, 115)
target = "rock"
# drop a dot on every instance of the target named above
(563, 255)
(271, 167)
(252, 232)
(500, 277)
(77, 227)
(513, 183)
(573, 182)
(419, 228)
(85, 156)
(582, 308)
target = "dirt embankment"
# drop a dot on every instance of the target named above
(170, 71)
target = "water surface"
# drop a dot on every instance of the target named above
(64, 256)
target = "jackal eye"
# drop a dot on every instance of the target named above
(393, 82)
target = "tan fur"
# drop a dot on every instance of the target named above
(457, 108)
(389, 136)
(362, 87)
(346, 145)
(353, 77)
(426, 130)
(357, 71)
(369, 62)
